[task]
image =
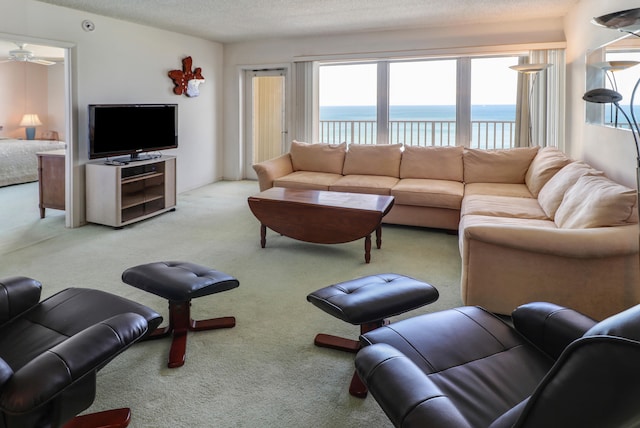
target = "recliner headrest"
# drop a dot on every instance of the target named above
(626, 324)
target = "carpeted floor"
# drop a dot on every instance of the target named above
(265, 372)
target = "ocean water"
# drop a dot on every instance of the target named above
(431, 112)
(434, 125)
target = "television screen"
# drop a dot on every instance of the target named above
(130, 129)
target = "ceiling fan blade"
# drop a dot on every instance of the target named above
(41, 61)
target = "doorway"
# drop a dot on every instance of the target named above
(265, 116)
(45, 91)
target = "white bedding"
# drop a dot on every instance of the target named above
(18, 160)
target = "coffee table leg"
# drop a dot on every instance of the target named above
(263, 235)
(379, 236)
(367, 249)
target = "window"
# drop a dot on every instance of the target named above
(420, 102)
(621, 79)
(348, 101)
(493, 102)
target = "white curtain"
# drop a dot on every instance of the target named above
(305, 92)
(548, 99)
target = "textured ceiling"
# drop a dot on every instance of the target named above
(241, 20)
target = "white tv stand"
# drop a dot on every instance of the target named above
(118, 195)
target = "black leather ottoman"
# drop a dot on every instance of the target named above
(179, 282)
(367, 302)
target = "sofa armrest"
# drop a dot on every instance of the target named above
(549, 326)
(17, 294)
(577, 243)
(272, 169)
(47, 375)
(403, 391)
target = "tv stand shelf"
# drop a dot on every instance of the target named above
(118, 195)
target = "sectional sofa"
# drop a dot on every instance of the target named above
(533, 224)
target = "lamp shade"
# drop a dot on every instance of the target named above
(529, 68)
(30, 120)
(624, 19)
(602, 96)
(616, 65)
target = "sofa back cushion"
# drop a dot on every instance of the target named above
(551, 194)
(433, 162)
(318, 157)
(497, 166)
(548, 161)
(596, 201)
(373, 159)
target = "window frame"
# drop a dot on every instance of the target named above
(463, 91)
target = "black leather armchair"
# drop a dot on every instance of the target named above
(465, 367)
(50, 352)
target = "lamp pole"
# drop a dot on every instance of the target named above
(608, 96)
(530, 70)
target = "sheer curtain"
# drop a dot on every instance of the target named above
(305, 113)
(548, 99)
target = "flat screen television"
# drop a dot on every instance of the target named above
(132, 129)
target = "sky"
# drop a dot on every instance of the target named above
(625, 79)
(419, 83)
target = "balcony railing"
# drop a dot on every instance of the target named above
(485, 134)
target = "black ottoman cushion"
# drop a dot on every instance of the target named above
(373, 298)
(178, 281)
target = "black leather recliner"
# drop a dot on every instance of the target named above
(465, 367)
(50, 351)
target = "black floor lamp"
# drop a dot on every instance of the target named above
(608, 96)
(626, 21)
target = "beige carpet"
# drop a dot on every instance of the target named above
(265, 372)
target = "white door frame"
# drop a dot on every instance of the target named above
(73, 189)
(246, 100)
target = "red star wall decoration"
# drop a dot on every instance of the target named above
(187, 81)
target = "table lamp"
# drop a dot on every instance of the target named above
(30, 121)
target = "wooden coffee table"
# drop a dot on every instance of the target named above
(321, 217)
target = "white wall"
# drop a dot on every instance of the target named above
(121, 62)
(24, 90)
(608, 149)
(56, 94)
(286, 51)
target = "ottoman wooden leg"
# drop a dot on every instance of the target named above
(116, 418)
(180, 322)
(357, 388)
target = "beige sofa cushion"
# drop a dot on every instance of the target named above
(372, 184)
(595, 202)
(438, 163)
(309, 180)
(502, 206)
(426, 192)
(545, 165)
(497, 166)
(318, 157)
(498, 189)
(551, 194)
(373, 159)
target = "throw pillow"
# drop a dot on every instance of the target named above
(551, 194)
(545, 165)
(595, 202)
(437, 163)
(317, 157)
(373, 159)
(497, 166)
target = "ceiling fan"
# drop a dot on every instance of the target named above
(23, 55)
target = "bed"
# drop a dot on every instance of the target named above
(18, 160)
